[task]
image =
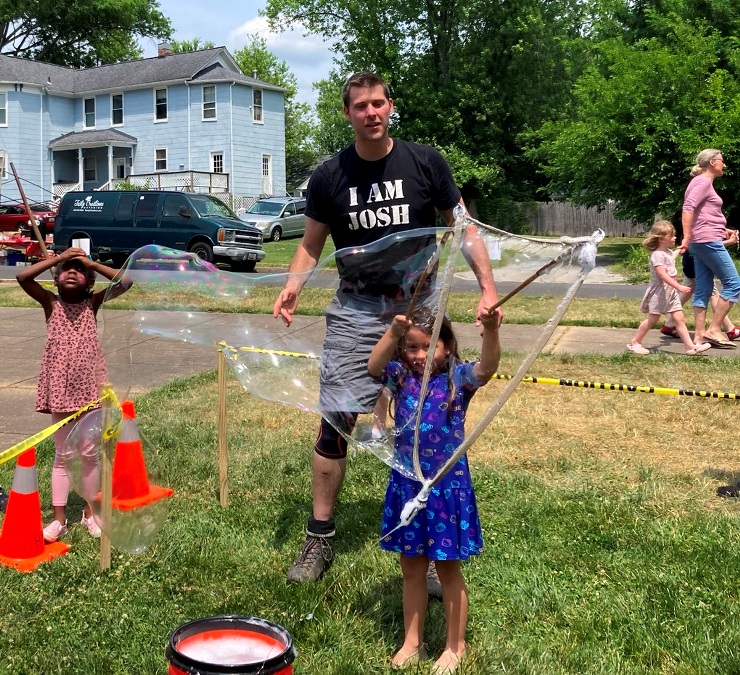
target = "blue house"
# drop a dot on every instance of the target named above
(180, 121)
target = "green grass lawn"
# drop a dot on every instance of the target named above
(606, 550)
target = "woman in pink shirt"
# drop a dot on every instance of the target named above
(704, 230)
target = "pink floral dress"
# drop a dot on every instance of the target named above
(72, 368)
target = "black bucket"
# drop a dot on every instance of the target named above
(220, 645)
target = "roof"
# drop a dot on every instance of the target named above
(205, 65)
(76, 139)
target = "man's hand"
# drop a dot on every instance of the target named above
(285, 306)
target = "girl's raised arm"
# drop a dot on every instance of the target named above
(386, 347)
(490, 355)
(27, 277)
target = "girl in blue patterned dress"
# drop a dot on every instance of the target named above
(448, 531)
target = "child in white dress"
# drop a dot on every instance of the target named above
(663, 293)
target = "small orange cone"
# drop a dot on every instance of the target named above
(22, 538)
(131, 487)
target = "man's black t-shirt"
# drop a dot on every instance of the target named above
(362, 201)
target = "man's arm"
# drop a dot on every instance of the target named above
(304, 260)
(475, 252)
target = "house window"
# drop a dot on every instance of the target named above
(89, 105)
(217, 162)
(209, 102)
(89, 168)
(160, 105)
(116, 106)
(160, 159)
(3, 164)
(3, 109)
(257, 105)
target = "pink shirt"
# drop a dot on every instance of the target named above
(705, 204)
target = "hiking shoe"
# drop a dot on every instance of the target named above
(315, 558)
(92, 526)
(637, 348)
(3, 500)
(54, 530)
(670, 331)
(434, 586)
(733, 334)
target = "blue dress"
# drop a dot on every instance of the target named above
(449, 527)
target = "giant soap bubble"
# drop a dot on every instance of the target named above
(139, 502)
(178, 297)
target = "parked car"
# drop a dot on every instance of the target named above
(13, 218)
(277, 217)
(119, 222)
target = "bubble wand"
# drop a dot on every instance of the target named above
(447, 275)
(587, 258)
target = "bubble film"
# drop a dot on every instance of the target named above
(140, 501)
(177, 297)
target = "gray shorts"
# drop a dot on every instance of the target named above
(354, 324)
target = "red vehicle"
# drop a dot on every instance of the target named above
(13, 217)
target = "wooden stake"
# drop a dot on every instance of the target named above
(223, 454)
(31, 217)
(106, 482)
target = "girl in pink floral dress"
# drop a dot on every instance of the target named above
(72, 368)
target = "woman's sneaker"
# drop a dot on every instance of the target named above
(733, 333)
(637, 348)
(670, 331)
(54, 530)
(92, 526)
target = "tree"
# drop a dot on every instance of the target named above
(333, 132)
(194, 45)
(299, 152)
(468, 76)
(643, 109)
(79, 33)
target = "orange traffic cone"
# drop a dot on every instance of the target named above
(22, 538)
(131, 487)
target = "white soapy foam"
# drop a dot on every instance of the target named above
(228, 650)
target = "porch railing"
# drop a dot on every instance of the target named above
(61, 189)
(184, 181)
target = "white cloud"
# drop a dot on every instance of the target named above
(309, 57)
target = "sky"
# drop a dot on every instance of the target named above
(228, 23)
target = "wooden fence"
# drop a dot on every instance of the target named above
(561, 218)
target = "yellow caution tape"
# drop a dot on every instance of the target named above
(110, 432)
(257, 350)
(632, 388)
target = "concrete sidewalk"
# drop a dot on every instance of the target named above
(159, 360)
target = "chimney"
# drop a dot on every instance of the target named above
(164, 49)
(254, 73)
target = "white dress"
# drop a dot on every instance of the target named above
(660, 298)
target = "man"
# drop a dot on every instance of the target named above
(375, 187)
